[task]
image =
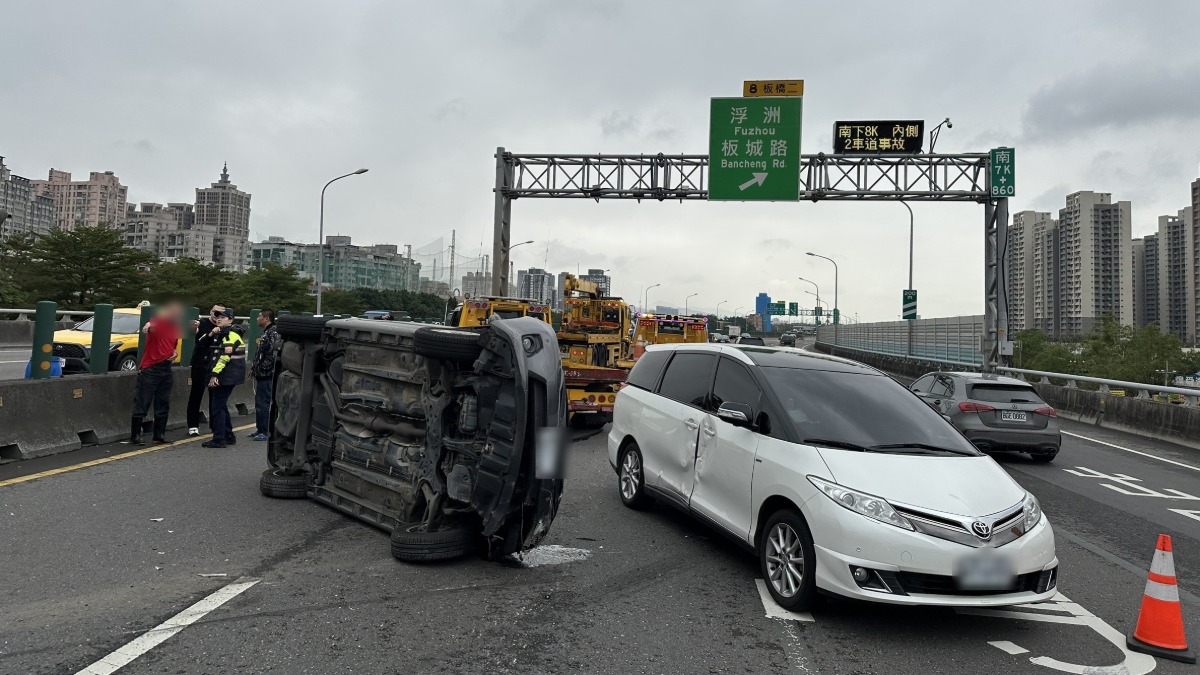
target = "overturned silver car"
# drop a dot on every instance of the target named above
(428, 432)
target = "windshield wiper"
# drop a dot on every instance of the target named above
(844, 445)
(921, 446)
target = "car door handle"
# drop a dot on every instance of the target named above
(710, 432)
(691, 424)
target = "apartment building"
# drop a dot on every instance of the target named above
(99, 200)
(224, 210)
(1176, 277)
(601, 279)
(1024, 282)
(476, 284)
(1094, 263)
(28, 212)
(346, 265)
(1192, 215)
(537, 284)
(169, 232)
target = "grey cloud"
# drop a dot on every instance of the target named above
(1119, 96)
(617, 124)
(454, 109)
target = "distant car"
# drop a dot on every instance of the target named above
(838, 478)
(787, 340)
(750, 340)
(74, 345)
(720, 337)
(995, 413)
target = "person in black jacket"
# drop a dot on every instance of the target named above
(227, 369)
(203, 330)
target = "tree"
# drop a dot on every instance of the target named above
(191, 282)
(1135, 355)
(78, 268)
(270, 286)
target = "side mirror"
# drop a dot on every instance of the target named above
(737, 414)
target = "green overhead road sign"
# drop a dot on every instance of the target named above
(776, 308)
(754, 149)
(1004, 172)
(817, 310)
(909, 304)
(837, 316)
(793, 309)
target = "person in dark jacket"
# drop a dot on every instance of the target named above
(228, 370)
(263, 370)
(200, 367)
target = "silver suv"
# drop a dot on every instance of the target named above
(995, 413)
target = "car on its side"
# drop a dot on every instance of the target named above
(447, 438)
(787, 340)
(74, 345)
(995, 413)
(750, 340)
(839, 478)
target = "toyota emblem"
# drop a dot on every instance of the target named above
(981, 529)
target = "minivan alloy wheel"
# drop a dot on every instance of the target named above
(785, 560)
(631, 473)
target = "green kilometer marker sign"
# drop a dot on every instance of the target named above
(754, 149)
(1004, 172)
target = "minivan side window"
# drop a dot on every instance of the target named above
(734, 383)
(687, 378)
(648, 368)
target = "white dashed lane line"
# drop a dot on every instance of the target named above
(1131, 450)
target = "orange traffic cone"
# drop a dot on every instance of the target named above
(1159, 629)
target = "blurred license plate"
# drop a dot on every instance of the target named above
(985, 571)
(1013, 416)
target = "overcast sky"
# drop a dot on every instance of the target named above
(1098, 95)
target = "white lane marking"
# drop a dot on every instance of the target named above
(163, 631)
(1009, 647)
(22, 361)
(1133, 664)
(1194, 515)
(1128, 481)
(1136, 452)
(773, 610)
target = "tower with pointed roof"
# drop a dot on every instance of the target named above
(224, 210)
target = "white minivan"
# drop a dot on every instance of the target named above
(837, 476)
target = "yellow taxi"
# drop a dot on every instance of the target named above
(74, 345)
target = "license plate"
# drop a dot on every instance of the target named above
(985, 571)
(1013, 416)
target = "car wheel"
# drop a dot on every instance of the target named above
(452, 344)
(127, 362)
(631, 480)
(301, 328)
(788, 561)
(283, 486)
(409, 544)
(1044, 457)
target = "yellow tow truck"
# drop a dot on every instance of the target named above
(596, 350)
(476, 312)
(663, 329)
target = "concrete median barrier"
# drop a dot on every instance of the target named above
(47, 417)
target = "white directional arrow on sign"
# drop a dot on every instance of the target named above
(757, 180)
(1194, 515)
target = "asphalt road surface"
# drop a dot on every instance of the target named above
(95, 557)
(12, 362)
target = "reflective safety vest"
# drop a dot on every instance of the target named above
(228, 358)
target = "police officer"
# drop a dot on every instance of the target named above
(227, 360)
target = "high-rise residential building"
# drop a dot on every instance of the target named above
(28, 212)
(99, 200)
(1192, 215)
(537, 284)
(1024, 282)
(224, 210)
(1095, 276)
(601, 279)
(1138, 257)
(169, 232)
(381, 267)
(1043, 275)
(1149, 288)
(1176, 277)
(476, 284)
(562, 290)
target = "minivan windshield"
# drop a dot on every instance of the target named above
(856, 411)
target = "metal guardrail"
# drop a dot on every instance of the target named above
(925, 355)
(953, 339)
(28, 314)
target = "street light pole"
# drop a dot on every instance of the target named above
(685, 302)
(505, 291)
(911, 230)
(836, 318)
(719, 309)
(646, 298)
(321, 238)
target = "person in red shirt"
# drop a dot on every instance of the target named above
(154, 379)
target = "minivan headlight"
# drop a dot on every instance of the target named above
(862, 503)
(1033, 511)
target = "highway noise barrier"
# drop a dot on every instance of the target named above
(1159, 629)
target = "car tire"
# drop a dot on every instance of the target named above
(631, 479)
(1044, 457)
(451, 344)
(301, 328)
(127, 362)
(278, 485)
(787, 533)
(411, 545)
